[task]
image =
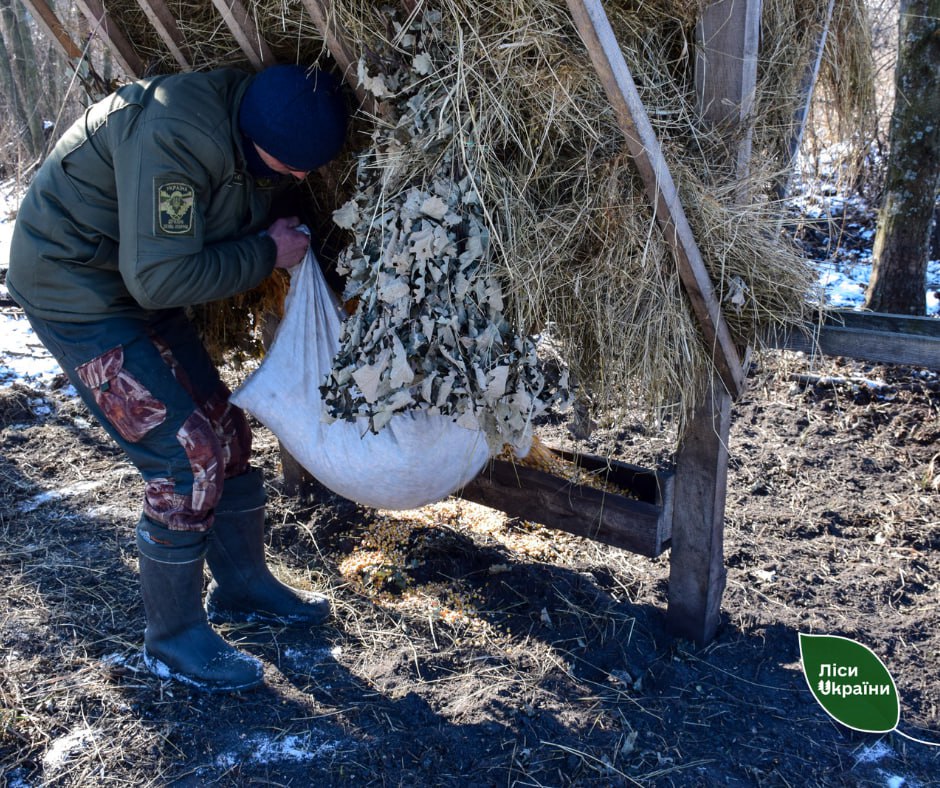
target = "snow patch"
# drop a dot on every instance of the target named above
(65, 746)
(22, 356)
(874, 753)
(63, 492)
(262, 749)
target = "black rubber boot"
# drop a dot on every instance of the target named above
(178, 642)
(243, 590)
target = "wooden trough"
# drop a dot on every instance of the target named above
(638, 517)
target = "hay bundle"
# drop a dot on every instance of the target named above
(519, 110)
(520, 113)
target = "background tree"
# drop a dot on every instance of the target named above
(902, 240)
(37, 89)
(24, 94)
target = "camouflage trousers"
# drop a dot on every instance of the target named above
(152, 386)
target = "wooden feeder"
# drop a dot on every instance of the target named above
(636, 517)
(682, 512)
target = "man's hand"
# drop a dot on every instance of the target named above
(291, 243)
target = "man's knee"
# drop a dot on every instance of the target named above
(187, 503)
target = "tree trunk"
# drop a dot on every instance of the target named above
(8, 106)
(26, 91)
(902, 239)
(15, 144)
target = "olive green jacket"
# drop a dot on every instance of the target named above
(144, 204)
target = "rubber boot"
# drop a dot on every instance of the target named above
(178, 642)
(243, 590)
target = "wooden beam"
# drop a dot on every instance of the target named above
(728, 34)
(104, 26)
(639, 520)
(696, 562)
(727, 42)
(246, 33)
(321, 13)
(868, 336)
(162, 20)
(644, 147)
(49, 23)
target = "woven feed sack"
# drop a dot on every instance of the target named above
(416, 459)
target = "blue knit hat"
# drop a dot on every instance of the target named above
(297, 116)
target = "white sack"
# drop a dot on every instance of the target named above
(416, 459)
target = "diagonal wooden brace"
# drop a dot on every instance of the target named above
(49, 23)
(608, 60)
(46, 19)
(239, 21)
(104, 26)
(321, 13)
(163, 21)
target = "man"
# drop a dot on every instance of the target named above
(153, 201)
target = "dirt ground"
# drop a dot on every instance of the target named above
(469, 649)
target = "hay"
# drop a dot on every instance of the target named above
(573, 240)
(238, 328)
(573, 237)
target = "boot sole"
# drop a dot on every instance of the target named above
(217, 616)
(163, 671)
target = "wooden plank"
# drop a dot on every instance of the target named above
(884, 321)
(644, 147)
(727, 38)
(807, 87)
(104, 26)
(49, 23)
(640, 526)
(868, 336)
(162, 20)
(696, 561)
(321, 13)
(239, 21)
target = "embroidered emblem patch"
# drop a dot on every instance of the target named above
(175, 202)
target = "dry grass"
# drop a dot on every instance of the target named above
(572, 232)
(464, 643)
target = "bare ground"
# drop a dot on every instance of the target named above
(467, 649)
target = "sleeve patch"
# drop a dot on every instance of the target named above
(175, 205)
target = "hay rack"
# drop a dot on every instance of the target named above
(682, 512)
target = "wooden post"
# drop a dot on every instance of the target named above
(104, 26)
(726, 76)
(246, 33)
(162, 20)
(608, 60)
(696, 562)
(727, 38)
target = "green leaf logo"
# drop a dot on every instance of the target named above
(850, 683)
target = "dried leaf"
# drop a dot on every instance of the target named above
(422, 64)
(347, 216)
(434, 207)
